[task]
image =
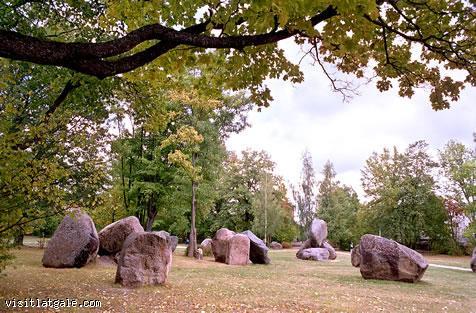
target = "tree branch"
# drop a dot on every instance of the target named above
(70, 86)
(88, 58)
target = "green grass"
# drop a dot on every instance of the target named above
(286, 285)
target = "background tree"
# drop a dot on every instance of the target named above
(272, 214)
(252, 196)
(338, 206)
(52, 147)
(305, 194)
(213, 125)
(458, 165)
(403, 205)
(144, 175)
(169, 161)
(240, 183)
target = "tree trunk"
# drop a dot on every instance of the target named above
(18, 240)
(193, 232)
(151, 214)
(266, 209)
(192, 247)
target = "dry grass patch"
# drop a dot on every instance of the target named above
(287, 285)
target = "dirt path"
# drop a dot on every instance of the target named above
(451, 267)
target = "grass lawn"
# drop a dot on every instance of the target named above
(287, 285)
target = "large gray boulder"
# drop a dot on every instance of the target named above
(317, 235)
(382, 258)
(238, 250)
(113, 235)
(330, 248)
(75, 242)
(172, 240)
(473, 261)
(145, 259)
(316, 254)
(206, 246)
(317, 232)
(258, 250)
(275, 245)
(220, 244)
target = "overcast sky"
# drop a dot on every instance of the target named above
(310, 116)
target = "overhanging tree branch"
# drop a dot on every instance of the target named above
(89, 58)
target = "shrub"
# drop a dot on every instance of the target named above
(46, 227)
(286, 232)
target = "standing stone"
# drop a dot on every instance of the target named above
(330, 248)
(307, 244)
(258, 250)
(275, 245)
(172, 240)
(317, 232)
(145, 259)
(317, 235)
(316, 254)
(473, 261)
(75, 242)
(113, 235)
(220, 244)
(355, 256)
(382, 258)
(238, 250)
(206, 246)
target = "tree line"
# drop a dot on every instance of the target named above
(409, 197)
(166, 79)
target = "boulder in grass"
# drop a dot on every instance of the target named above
(113, 235)
(382, 258)
(330, 248)
(238, 250)
(75, 242)
(473, 261)
(172, 240)
(315, 254)
(275, 245)
(206, 246)
(317, 232)
(145, 259)
(220, 244)
(307, 244)
(258, 250)
(355, 256)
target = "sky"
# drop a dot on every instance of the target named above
(310, 116)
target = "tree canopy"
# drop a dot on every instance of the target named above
(403, 204)
(406, 43)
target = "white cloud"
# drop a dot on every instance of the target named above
(310, 116)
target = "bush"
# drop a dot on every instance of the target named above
(46, 227)
(287, 231)
(449, 247)
(470, 234)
